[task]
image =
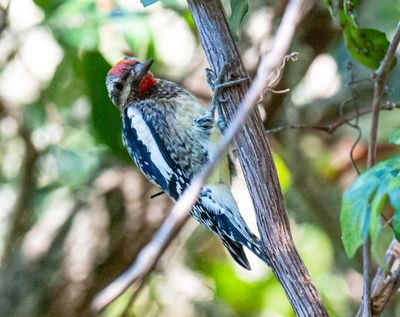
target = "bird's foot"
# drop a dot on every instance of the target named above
(217, 83)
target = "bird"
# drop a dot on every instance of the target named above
(170, 135)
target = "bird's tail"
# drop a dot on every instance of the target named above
(248, 240)
(218, 211)
(236, 250)
(257, 249)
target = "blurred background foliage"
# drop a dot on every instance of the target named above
(74, 210)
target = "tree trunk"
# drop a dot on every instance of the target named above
(257, 164)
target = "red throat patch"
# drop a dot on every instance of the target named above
(146, 83)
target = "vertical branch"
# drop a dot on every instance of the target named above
(379, 87)
(254, 151)
(366, 298)
(380, 77)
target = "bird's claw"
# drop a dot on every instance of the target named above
(219, 82)
(217, 85)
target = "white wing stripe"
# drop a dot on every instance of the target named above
(146, 137)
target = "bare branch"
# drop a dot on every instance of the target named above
(385, 285)
(379, 87)
(332, 127)
(253, 147)
(149, 255)
(385, 282)
(366, 299)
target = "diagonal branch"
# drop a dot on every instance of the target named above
(311, 305)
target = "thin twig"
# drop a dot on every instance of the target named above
(151, 253)
(379, 87)
(366, 299)
(350, 123)
(331, 127)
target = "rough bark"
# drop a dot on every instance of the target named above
(257, 164)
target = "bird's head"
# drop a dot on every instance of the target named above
(129, 79)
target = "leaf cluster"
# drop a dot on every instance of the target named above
(369, 196)
(367, 46)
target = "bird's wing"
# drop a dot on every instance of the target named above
(219, 202)
(147, 149)
(224, 219)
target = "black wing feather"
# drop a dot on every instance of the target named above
(142, 157)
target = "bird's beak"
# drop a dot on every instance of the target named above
(144, 67)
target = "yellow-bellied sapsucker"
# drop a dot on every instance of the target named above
(170, 136)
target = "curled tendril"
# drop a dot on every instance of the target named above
(277, 75)
(353, 123)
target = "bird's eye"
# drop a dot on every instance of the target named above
(118, 86)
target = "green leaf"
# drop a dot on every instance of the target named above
(64, 79)
(49, 6)
(34, 115)
(380, 244)
(330, 6)
(394, 138)
(74, 168)
(353, 222)
(378, 203)
(239, 9)
(226, 279)
(394, 197)
(380, 195)
(106, 120)
(367, 46)
(284, 176)
(77, 24)
(349, 7)
(146, 3)
(137, 34)
(362, 204)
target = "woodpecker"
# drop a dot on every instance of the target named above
(170, 136)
